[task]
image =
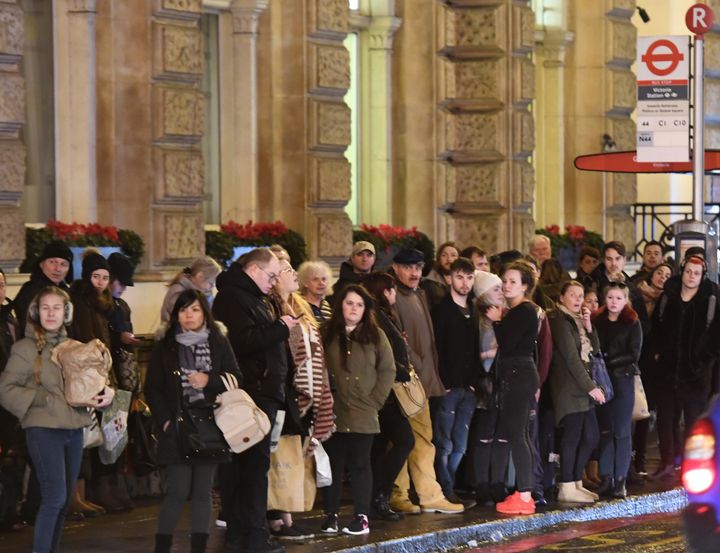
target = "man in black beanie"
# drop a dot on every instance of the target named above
(52, 268)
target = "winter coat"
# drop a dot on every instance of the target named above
(27, 293)
(569, 378)
(8, 331)
(435, 288)
(686, 346)
(37, 405)
(457, 341)
(414, 316)
(620, 341)
(258, 337)
(91, 313)
(163, 385)
(361, 389)
(397, 340)
(346, 276)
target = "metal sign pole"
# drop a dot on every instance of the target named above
(698, 128)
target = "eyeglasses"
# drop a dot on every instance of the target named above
(288, 270)
(271, 276)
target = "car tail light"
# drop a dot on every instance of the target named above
(698, 468)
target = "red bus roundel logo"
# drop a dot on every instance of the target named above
(662, 57)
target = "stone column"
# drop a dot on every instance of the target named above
(12, 150)
(486, 133)
(75, 110)
(376, 131)
(239, 105)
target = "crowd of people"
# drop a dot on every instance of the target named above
(504, 348)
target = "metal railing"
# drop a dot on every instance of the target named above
(653, 222)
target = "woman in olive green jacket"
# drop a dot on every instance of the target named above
(573, 391)
(361, 363)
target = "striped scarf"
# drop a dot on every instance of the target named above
(313, 386)
(193, 356)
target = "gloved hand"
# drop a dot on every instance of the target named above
(402, 375)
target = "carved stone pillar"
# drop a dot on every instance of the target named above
(486, 133)
(12, 150)
(75, 110)
(239, 101)
(327, 171)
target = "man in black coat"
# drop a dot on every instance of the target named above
(52, 269)
(356, 269)
(258, 338)
(612, 268)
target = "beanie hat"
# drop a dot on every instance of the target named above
(484, 281)
(92, 261)
(121, 269)
(56, 248)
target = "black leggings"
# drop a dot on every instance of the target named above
(395, 432)
(580, 436)
(351, 450)
(518, 382)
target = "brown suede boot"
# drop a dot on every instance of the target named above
(88, 509)
(591, 472)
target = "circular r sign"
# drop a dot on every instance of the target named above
(662, 52)
(699, 18)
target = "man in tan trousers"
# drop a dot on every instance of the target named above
(414, 316)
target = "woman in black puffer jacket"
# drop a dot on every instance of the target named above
(620, 333)
(395, 429)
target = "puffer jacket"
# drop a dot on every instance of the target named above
(37, 405)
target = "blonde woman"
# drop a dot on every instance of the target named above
(199, 276)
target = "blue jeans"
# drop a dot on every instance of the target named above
(451, 426)
(615, 422)
(56, 456)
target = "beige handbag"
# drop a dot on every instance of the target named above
(85, 370)
(410, 395)
(640, 407)
(242, 423)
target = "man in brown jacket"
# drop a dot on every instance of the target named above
(414, 315)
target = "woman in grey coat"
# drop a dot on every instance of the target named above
(573, 390)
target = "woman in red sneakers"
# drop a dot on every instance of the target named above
(517, 380)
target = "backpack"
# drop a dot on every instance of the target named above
(243, 423)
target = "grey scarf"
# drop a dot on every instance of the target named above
(193, 356)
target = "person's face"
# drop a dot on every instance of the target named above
(660, 277)
(480, 262)
(267, 275)
(287, 280)
(191, 317)
(447, 256)
(573, 298)
(512, 285)
(461, 282)
(3, 288)
(591, 301)
(692, 275)
(588, 264)
(652, 256)
(541, 251)
(353, 308)
(363, 261)
(203, 282)
(117, 288)
(614, 261)
(615, 300)
(391, 295)
(100, 279)
(51, 309)
(55, 268)
(409, 275)
(317, 285)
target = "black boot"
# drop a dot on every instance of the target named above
(482, 494)
(606, 487)
(163, 543)
(381, 509)
(498, 492)
(198, 543)
(619, 491)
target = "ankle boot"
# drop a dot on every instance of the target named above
(381, 509)
(79, 502)
(198, 542)
(105, 497)
(568, 493)
(498, 492)
(482, 495)
(605, 490)
(619, 491)
(591, 471)
(163, 543)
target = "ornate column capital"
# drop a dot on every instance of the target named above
(382, 31)
(246, 14)
(81, 6)
(552, 45)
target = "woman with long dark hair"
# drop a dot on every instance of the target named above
(190, 357)
(395, 429)
(516, 331)
(620, 333)
(360, 360)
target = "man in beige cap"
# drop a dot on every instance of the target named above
(358, 267)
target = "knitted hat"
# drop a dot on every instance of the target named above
(56, 248)
(92, 261)
(484, 282)
(121, 269)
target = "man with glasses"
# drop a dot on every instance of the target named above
(258, 339)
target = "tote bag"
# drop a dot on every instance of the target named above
(640, 407)
(599, 374)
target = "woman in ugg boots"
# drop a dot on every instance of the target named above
(573, 391)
